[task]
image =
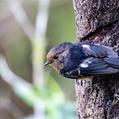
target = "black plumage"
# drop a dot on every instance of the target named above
(80, 60)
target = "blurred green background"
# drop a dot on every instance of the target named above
(31, 90)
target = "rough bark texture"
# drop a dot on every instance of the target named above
(97, 21)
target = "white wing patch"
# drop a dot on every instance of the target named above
(86, 46)
(86, 62)
(84, 65)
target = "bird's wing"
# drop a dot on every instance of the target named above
(112, 62)
(97, 66)
(98, 51)
(92, 60)
(104, 58)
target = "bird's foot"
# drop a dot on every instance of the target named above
(68, 74)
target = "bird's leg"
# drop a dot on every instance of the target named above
(69, 74)
(74, 73)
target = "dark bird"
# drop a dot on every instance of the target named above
(76, 60)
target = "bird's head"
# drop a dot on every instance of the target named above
(56, 55)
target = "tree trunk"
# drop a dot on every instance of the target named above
(97, 21)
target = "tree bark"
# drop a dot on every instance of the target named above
(97, 21)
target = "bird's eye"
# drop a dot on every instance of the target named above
(55, 57)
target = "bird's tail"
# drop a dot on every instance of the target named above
(112, 62)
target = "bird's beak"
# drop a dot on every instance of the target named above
(47, 63)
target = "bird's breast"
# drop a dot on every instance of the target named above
(57, 65)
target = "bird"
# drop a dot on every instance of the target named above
(78, 60)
